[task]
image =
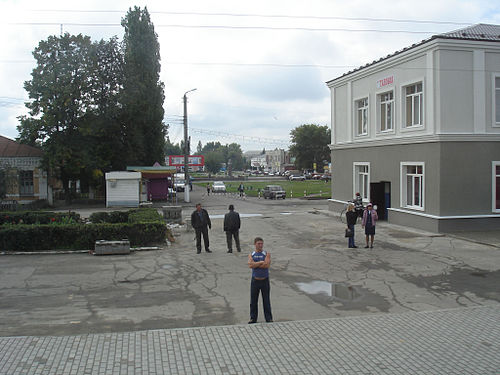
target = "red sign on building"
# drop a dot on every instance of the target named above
(193, 160)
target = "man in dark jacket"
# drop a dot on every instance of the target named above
(231, 227)
(200, 221)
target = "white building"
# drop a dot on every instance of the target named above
(418, 132)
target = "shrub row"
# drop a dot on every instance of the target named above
(140, 215)
(78, 236)
(38, 217)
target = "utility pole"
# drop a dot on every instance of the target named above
(186, 150)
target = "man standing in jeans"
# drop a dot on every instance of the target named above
(259, 261)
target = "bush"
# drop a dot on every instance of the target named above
(38, 217)
(31, 231)
(23, 237)
(109, 217)
(144, 215)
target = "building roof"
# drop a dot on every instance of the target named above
(12, 149)
(478, 32)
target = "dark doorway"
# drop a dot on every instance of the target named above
(380, 194)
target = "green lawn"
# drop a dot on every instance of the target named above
(311, 187)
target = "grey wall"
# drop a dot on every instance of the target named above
(466, 180)
(385, 166)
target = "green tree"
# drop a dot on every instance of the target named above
(59, 94)
(199, 148)
(143, 92)
(171, 149)
(213, 162)
(310, 145)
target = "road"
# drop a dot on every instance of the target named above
(313, 275)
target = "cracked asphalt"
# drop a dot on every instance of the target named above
(313, 275)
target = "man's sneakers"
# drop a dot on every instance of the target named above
(208, 250)
(252, 321)
(230, 251)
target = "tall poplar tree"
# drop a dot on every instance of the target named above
(143, 92)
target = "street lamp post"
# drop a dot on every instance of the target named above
(186, 150)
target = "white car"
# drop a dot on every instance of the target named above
(218, 187)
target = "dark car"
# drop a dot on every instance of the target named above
(274, 192)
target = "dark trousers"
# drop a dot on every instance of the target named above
(199, 231)
(256, 287)
(229, 238)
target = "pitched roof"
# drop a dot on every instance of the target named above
(481, 31)
(478, 32)
(10, 148)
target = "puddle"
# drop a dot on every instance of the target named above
(167, 266)
(335, 290)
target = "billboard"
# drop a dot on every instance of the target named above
(178, 160)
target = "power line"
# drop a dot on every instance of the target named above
(244, 138)
(228, 27)
(285, 16)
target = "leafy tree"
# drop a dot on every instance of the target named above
(213, 162)
(59, 93)
(225, 153)
(199, 148)
(143, 92)
(171, 149)
(310, 145)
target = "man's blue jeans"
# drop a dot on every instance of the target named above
(351, 239)
(256, 287)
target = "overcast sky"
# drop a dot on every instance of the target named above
(259, 66)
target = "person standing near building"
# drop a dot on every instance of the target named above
(232, 226)
(200, 221)
(351, 216)
(260, 261)
(370, 217)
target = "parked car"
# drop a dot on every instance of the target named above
(218, 187)
(297, 177)
(274, 192)
(326, 177)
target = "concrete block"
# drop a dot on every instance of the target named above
(172, 214)
(103, 247)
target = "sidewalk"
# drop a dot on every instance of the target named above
(456, 341)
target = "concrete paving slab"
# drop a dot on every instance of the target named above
(456, 341)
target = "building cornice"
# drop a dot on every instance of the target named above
(410, 53)
(417, 139)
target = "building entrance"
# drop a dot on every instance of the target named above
(380, 194)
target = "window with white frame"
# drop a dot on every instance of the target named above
(497, 100)
(386, 108)
(496, 186)
(362, 180)
(412, 185)
(361, 106)
(413, 107)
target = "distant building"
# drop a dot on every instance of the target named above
(418, 133)
(22, 176)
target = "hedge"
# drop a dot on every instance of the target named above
(78, 236)
(37, 217)
(55, 231)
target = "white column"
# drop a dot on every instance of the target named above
(479, 87)
(430, 94)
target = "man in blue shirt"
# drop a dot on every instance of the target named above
(260, 261)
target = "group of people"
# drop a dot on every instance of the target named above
(259, 260)
(369, 219)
